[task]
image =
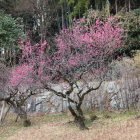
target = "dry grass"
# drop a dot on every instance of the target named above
(56, 127)
(137, 58)
(134, 61)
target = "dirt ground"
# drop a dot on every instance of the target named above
(60, 127)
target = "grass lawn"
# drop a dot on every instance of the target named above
(116, 126)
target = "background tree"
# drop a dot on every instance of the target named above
(131, 25)
(42, 19)
(10, 33)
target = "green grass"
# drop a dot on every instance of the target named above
(88, 122)
(111, 114)
(9, 127)
(125, 114)
(57, 115)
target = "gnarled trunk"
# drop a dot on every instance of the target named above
(79, 119)
(23, 115)
(20, 111)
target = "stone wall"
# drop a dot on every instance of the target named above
(111, 95)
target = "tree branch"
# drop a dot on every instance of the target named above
(91, 89)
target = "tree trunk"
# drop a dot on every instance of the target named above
(20, 111)
(116, 6)
(23, 115)
(129, 6)
(2, 112)
(79, 119)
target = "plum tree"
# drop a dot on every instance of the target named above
(82, 54)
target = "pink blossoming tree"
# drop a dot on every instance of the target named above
(82, 54)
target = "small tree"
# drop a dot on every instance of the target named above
(82, 55)
(14, 96)
(16, 99)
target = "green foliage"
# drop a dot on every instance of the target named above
(131, 24)
(10, 31)
(62, 1)
(79, 8)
